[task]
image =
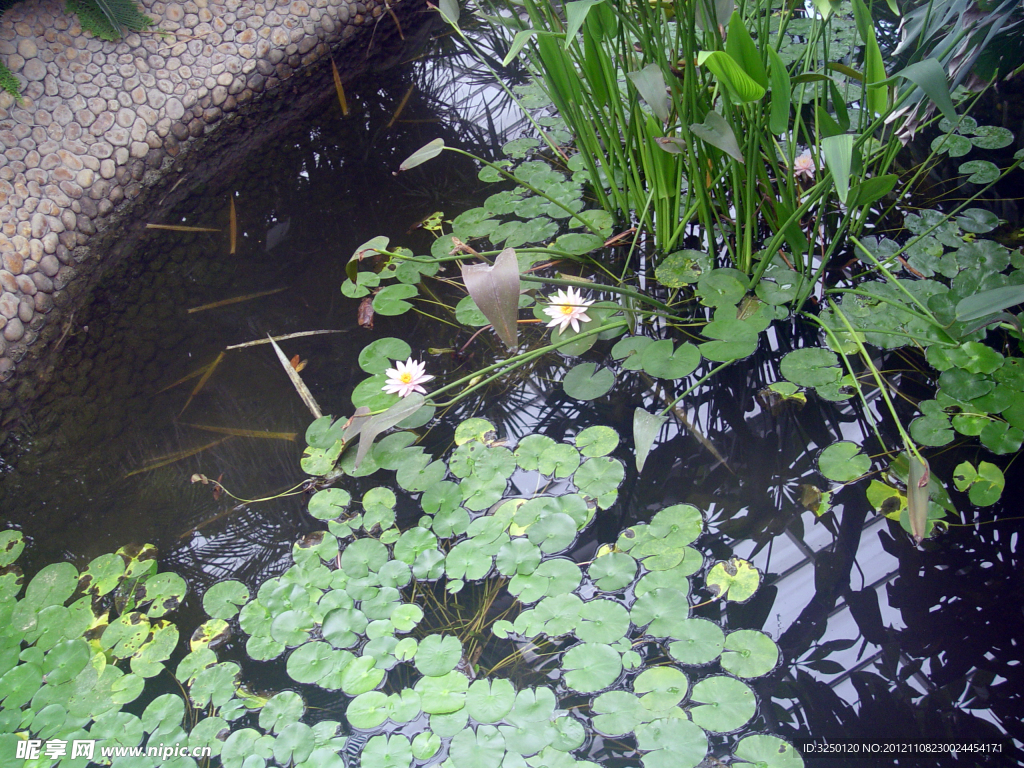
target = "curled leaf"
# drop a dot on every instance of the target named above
(495, 289)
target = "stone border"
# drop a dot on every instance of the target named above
(104, 124)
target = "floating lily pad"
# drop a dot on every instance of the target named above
(612, 571)
(662, 687)
(672, 742)
(590, 667)
(769, 752)
(488, 701)
(223, 599)
(367, 710)
(843, 462)
(584, 382)
(734, 580)
(697, 641)
(663, 360)
(749, 653)
(726, 703)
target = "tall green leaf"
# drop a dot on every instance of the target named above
(917, 497)
(782, 96)
(740, 45)
(838, 152)
(575, 14)
(738, 83)
(874, 67)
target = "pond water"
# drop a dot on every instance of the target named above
(880, 640)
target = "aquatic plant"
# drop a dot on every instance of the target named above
(467, 638)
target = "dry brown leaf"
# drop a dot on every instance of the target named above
(364, 315)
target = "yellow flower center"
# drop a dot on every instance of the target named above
(567, 309)
(405, 378)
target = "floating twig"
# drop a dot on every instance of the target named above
(300, 386)
(281, 338)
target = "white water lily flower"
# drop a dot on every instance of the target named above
(406, 378)
(803, 166)
(568, 308)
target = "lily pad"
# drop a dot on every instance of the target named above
(843, 462)
(734, 580)
(749, 653)
(584, 382)
(726, 703)
(591, 667)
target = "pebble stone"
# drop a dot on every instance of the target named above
(95, 115)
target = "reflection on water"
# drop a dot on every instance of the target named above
(880, 640)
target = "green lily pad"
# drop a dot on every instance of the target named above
(720, 288)
(11, 545)
(390, 301)
(483, 748)
(629, 350)
(683, 268)
(442, 694)
(602, 621)
(438, 655)
(223, 599)
(377, 356)
(488, 701)
(385, 751)
(812, 367)
(367, 710)
(590, 667)
(749, 653)
(612, 571)
(662, 687)
(673, 743)
(661, 360)
(584, 382)
(726, 703)
(559, 460)
(697, 641)
(597, 441)
(843, 462)
(769, 752)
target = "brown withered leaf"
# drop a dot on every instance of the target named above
(364, 316)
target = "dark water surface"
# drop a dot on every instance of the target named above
(881, 640)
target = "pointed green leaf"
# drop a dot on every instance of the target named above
(838, 152)
(778, 121)
(716, 132)
(650, 82)
(728, 71)
(646, 427)
(382, 421)
(741, 47)
(930, 77)
(431, 149)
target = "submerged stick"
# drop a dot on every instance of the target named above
(236, 299)
(180, 228)
(244, 432)
(340, 89)
(202, 382)
(186, 377)
(171, 458)
(300, 386)
(281, 338)
(234, 228)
